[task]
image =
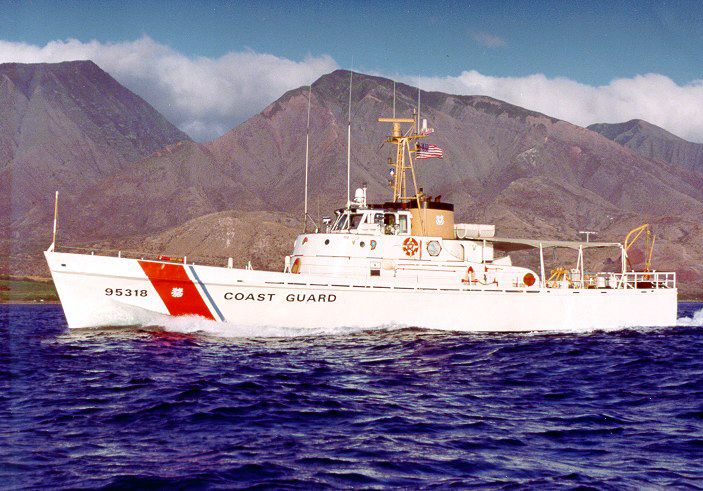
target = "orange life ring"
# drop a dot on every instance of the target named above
(410, 246)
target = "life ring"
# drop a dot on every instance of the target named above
(410, 246)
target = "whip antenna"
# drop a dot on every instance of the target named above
(349, 141)
(307, 162)
(56, 215)
(418, 104)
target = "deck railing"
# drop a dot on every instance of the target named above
(646, 279)
(633, 279)
(201, 259)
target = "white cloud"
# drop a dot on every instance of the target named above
(203, 96)
(489, 40)
(652, 97)
(207, 96)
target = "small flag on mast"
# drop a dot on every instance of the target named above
(427, 131)
(428, 151)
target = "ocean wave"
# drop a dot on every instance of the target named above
(199, 325)
(174, 406)
(696, 320)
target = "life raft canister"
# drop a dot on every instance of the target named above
(410, 246)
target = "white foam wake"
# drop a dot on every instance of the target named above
(198, 325)
(696, 320)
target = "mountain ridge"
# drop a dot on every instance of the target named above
(64, 126)
(653, 142)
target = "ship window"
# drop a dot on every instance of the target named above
(389, 224)
(403, 224)
(341, 223)
(355, 221)
(378, 218)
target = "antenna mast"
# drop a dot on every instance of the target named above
(418, 104)
(307, 161)
(405, 144)
(393, 99)
(56, 216)
(349, 141)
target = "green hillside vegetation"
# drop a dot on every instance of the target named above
(26, 290)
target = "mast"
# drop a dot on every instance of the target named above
(393, 99)
(56, 216)
(307, 162)
(418, 104)
(349, 142)
(405, 146)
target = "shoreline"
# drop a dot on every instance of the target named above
(31, 302)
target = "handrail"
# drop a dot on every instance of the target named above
(646, 279)
(155, 256)
(617, 281)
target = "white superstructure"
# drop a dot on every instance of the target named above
(403, 262)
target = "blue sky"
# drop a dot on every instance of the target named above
(590, 44)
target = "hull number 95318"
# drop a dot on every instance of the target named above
(125, 292)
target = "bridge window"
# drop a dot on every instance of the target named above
(356, 220)
(341, 222)
(403, 219)
(389, 226)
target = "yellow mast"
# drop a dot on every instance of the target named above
(405, 147)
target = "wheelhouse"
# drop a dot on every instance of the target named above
(372, 221)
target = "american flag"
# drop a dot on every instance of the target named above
(427, 131)
(428, 151)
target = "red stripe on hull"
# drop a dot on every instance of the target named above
(177, 291)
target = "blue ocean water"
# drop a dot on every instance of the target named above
(176, 408)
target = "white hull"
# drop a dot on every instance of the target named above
(108, 291)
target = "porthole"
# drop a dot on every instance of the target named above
(327, 241)
(362, 244)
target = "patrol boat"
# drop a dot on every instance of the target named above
(403, 262)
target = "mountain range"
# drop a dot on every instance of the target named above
(653, 142)
(64, 127)
(530, 173)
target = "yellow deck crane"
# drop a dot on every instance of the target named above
(649, 238)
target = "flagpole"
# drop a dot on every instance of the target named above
(349, 143)
(393, 99)
(307, 162)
